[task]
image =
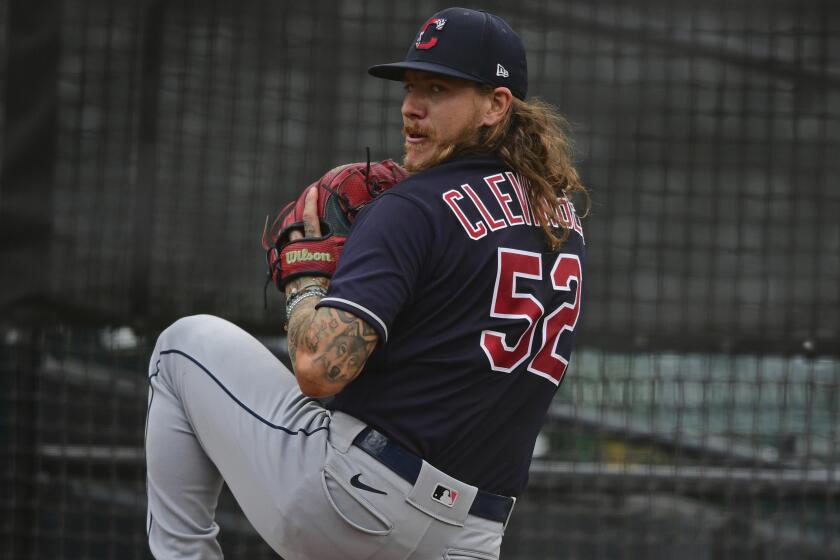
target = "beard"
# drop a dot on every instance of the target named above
(439, 152)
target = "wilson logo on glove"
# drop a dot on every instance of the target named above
(342, 193)
(302, 255)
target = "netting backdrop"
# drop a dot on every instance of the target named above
(144, 142)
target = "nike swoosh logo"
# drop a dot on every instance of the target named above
(362, 486)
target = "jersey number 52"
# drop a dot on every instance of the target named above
(511, 303)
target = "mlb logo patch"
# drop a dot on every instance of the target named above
(444, 495)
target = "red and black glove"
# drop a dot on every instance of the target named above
(342, 192)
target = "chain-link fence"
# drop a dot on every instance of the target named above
(144, 142)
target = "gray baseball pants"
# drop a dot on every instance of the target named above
(222, 408)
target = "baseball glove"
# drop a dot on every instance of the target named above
(342, 192)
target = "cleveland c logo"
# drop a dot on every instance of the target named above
(439, 23)
(305, 255)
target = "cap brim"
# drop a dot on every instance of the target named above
(396, 70)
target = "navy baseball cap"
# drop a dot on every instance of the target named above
(469, 44)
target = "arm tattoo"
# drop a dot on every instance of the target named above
(347, 350)
(339, 342)
(304, 313)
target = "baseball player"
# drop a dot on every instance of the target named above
(438, 305)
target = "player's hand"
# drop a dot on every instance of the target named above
(307, 237)
(311, 228)
(311, 223)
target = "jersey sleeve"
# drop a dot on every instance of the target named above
(381, 262)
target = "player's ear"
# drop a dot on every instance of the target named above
(500, 101)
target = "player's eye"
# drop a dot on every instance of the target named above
(437, 88)
(408, 87)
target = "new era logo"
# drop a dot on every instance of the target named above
(502, 71)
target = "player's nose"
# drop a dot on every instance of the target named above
(413, 107)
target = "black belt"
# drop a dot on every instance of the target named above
(486, 504)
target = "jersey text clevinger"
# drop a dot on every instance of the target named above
(508, 191)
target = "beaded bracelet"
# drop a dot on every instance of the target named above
(300, 296)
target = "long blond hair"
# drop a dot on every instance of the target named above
(534, 140)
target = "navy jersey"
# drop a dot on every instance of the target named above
(476, 318)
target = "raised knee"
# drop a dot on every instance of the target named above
(192, 322)
(188, 328)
